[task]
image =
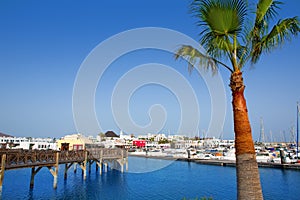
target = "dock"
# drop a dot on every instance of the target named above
(232, 163)
(220, 162)
(37, 159)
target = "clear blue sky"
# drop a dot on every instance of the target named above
(43, 44)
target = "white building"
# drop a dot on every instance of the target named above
(27, 143)
(125, 137)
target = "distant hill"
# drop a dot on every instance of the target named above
(110, 134)
(5, 135)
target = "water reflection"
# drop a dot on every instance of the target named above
(176, 181)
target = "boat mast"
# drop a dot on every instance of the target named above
(297, 125)
(262, 131)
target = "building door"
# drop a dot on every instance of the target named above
(64, 147)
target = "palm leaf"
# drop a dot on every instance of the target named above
(222, 17)
(216, 45)
(197, 59)
(280, 33)
(266, 10)
(221, 22)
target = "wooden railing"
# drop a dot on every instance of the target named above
(105, 153)
(25, 158)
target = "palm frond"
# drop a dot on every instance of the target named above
(266, 10)
(280, 33)
(222, 17)
(216, 45)
(197, 59)
(221, 21)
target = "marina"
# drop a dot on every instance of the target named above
(224, 163)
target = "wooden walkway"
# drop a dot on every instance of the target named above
(37, 159)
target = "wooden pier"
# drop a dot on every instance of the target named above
(37, 159)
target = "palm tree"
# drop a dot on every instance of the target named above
(227, 33)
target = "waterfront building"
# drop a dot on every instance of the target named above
(160, 137)
(11, 142)
(111, 140)
(210, 142)
(175, 137)
(125, 137)
(73, 142)
(185, 144)
(139, 143)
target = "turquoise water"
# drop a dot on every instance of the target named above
(171, 180)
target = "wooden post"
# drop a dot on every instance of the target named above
(55, 171)
(96, 166)
(105, 166)
(85, 163)
(125, 156)
(2, 172)
(67, 167)
(33, 173)
(66, 171)
(75, 167)
(100, 165)
(90, 164)
(32, 177)
(121, 162)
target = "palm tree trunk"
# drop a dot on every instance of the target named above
(248, 181)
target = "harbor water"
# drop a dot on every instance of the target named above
(148, 179)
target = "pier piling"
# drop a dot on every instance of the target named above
(34, 171)
(75, 167)
(3, 159)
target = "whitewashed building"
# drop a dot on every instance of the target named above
(27, 143)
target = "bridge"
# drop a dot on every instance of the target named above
(37, 159)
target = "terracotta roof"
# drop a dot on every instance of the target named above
(110, 134)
